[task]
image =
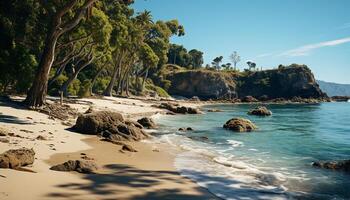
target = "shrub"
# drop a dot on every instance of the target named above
(84, 90)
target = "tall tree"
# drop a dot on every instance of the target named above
(235, 58)
(58, 26)
(216, 62)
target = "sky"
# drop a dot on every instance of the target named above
(268, 32)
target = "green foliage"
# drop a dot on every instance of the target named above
(74, 88)
(178, 55)
(100, 85)
(160, 91)
(85, 89)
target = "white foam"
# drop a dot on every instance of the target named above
(235, 143)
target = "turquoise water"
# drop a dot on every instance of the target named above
(271, 163)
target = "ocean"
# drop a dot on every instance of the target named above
(273, 162)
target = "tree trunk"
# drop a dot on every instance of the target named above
(143, 81)
(70, 80)
(37, 93)
(95, 79)
(109, 89)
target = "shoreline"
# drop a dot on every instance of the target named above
(61, 144)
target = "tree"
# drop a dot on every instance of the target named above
(196, 58)
(58, 26)
(216, 62)
(251, 65)
(235, 58)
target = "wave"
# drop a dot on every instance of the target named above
(224, 175)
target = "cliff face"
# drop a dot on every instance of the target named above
(201, 83)
(284, 82)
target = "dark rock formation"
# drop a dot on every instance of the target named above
(110, 125)
(179, 109)
(342, 165)
(285, 82)
(16, 158)
(186, 129)
(215, 110)
(96, 122)
(203, 84)
(260, 111)
(248, 99)
(81, 166)
(147, 123)
(127, 147)
(240, 125)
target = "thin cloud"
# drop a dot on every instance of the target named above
(264, 55)
(307, 49)
(344, 26)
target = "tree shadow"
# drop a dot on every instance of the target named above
(124, 176)
(7, 102)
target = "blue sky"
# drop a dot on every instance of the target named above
(269, 32)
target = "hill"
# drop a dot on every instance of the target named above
(334, 89)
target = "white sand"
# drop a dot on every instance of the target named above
(47, 184)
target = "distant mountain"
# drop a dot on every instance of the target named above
(334, 89)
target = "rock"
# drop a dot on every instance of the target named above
(341, 165)
(240, 125)
(96, 122)
(40, 137)
(4, 131)
(127, 147)
(90, 110)
(179, 109)
(260, 111)
(109, 125)
(189, 129)
(26, 131)
(147, 123)
(185, 129)
(16, 158)
(81, 166)
(4, 140)
(195, 98)
(249, 99)
(214, 110)
(263, 98)
(133, 123)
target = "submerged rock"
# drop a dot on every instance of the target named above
(341, 165)
(215, 110)
(240, 125)
(81, 166)
(260, 111)
(16, 158)
(147, 123)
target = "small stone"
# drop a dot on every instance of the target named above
(40, 137)
(127, 147)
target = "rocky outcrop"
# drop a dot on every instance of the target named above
(284, 82)
(248, 99)
(81, 166)
(110, 125)
(147, 123)
(203, 84)
(260, 111)
(240, 125)
(341, 165)
(16, 158)
(214, 110)
(176, 108)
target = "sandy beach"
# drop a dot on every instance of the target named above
(146, 174)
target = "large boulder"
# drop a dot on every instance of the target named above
(240, 125)
(95, 122)
(260, 111)
(111, 126)
(147, 123)
(342, 165)
(81, 166)
(16, 158)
